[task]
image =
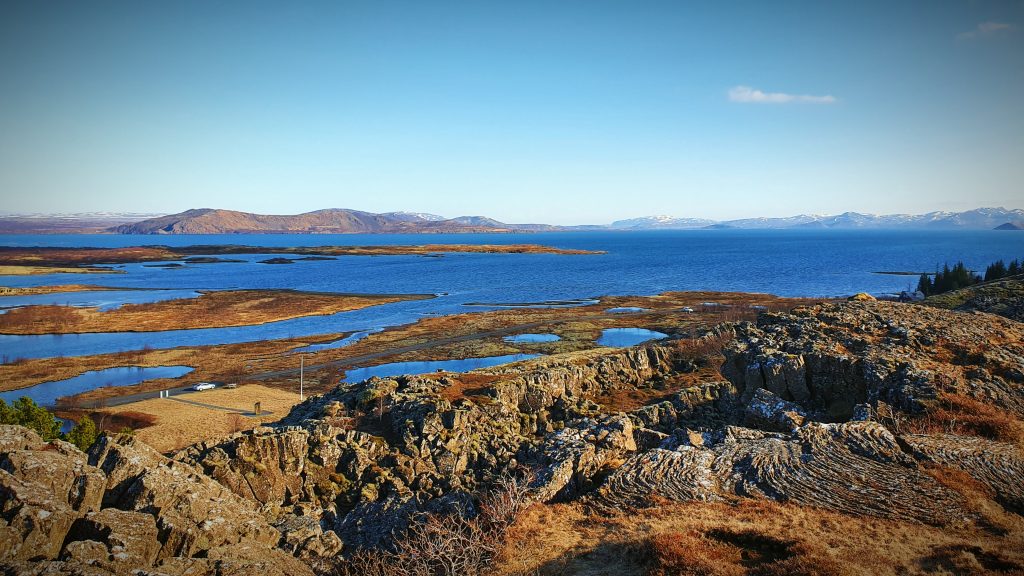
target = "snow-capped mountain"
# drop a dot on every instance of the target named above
(661, 222)
(414, 216)
(980, 219)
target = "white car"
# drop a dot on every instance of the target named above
(204, 386)
(687, 309)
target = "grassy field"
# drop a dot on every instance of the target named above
(181, 420)
(212, 309)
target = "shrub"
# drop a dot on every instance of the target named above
(25, 412)
(448, 543)
(83, 434)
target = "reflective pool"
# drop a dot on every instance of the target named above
(622, 337)
(46, 394)
(531, 338)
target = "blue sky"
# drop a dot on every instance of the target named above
(564, 112)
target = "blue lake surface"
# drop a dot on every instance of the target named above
(623, 337)
(783, 262)
(531, 338)
(46, 394)
(626, 310)
(102, 299)
(400, 368)
(339, 343)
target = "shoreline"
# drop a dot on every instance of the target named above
(469, 334)
(73, 258)
(232, 308)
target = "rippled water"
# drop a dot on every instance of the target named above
(783, 262)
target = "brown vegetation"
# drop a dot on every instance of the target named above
(959, 414)
(211, 309)
(46, 256)
(455, 543)
(28, 270)
(33, 290)
(746, 537)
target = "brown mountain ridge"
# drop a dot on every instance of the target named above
(329, 221)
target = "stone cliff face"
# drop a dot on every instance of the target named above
(821, 407)
(124, 509)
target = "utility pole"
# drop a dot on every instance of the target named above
(302, 368)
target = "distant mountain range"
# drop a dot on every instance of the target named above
(981, 219)
(82, 223)
(342, 221)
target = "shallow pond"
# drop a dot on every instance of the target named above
(531, 338)
(626, 310)
(463, 365)
(623, 337)
(46, 394)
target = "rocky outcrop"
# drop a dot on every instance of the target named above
(1002, 297)
(113, 539)
(124, 508)
(832, 357)
(855, 468)
(998, 465)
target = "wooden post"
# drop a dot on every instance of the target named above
(256, 409)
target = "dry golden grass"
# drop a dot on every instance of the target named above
(227, 362)
(179, 423)
(959, 414)
(33, 290)
(750, 537)
(29, 270)
(212, 309)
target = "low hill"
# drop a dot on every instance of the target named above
(1011, 226)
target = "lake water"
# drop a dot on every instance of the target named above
(531, 338)
(622, 337)
(783, 262)
(461, 365)
(46, 394)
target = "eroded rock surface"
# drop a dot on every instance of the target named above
(133, 510)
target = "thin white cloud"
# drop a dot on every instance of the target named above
(985, 29)
(746, 94)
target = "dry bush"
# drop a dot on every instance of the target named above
(691, 555)
(237, 422)
(734, 553)
(959, 414)
(448, 544)
(704, 348)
